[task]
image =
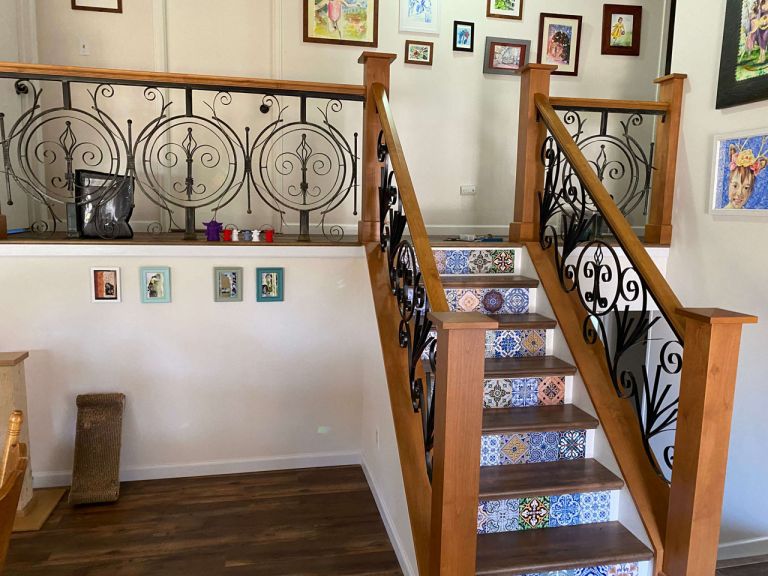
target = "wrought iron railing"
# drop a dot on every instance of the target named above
(184, 144)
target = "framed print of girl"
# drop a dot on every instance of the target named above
(741, 178)
(351, 22)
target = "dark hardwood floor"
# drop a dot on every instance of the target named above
(320, 522)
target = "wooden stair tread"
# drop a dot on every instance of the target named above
(527, 367)
(523, 321)
(488, 281)
(537, 419)
(546, 479)
(532, 551)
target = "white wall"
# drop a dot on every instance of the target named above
(722, 262)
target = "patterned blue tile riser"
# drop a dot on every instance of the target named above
(523, 392)
(631, 569)
(475, 261)
(515, 343)
(543, 512)
(532, 447)
(488, 300)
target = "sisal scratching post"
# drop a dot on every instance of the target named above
(96, 472)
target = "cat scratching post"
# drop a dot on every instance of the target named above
(34, 506)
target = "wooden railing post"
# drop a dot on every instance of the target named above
(530, 139)
(658, 229)
(712, 339)
(3, 227)
(376, 72)
(458, 431)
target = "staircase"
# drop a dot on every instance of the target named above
(547, 508)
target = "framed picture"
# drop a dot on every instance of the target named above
(228, 284)
(269, 284)
(512, 9)
(105, 285)
(98, 5)
(740, 178)
(417, 52)
(622, 26)
(350, 22)
(420, 16)
(155, 285)
(463, 36)
(744, 59)
(505, 55)
(560, 42)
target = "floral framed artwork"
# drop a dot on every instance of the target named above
(155, 285)
(463, 36)
(228, 284)
(269, 284)
(98, 5)
(417, 52)
(421, 16)
(740, 177)
(512, 9)
(622, 27)
(348, 22)
(560, 42)
(105, 285)
(744, 59)
(505, 55)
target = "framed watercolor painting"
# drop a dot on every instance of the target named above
(560, 42)
(269, 284)
(417, 52)
(228, 284)
(349, 22)
(98, 5)
(622, 26)
(155, 285)
(505, 55)
(744, 58)
(105, 285)
(463, 36)
(512, 9)
(420, 16)
(740, 179)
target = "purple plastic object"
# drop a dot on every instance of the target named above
(213, 230)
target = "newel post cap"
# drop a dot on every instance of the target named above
(365, 56)
(12, 358)
(716, 316)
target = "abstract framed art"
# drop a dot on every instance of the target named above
(463, 36)
(270, 284)
(560, 42)
(622, 28)
(228, 284)
(505, 55)
(105, 285)
(421, 16)
(418, 52)
(511, 9)
(744, 59)
(155, 283)
(98, 5)
(346, 22)
(740, 177)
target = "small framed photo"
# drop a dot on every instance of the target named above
(560, 42)
(622, 26)
(421, 16)
(155, 285)
(463, 36)
(417, 52)
(105, 285)
(512, 9)
(505, 55)
(740, 174)
(98, 5)
(269, 284)
(352, 23)
(228, 284)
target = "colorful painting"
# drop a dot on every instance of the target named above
(622, 29)
(352, 22)
(512, 9)
(560, 42)
(105, 284)
(463, 36)
(753, 41)
(228, 284)
(269, 282)
(419, 52)
(744, 59)
(155, 285)
(420, 16)
(505, 55)
(741, 178)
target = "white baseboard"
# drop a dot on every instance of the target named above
(394, 538)
(743, 548)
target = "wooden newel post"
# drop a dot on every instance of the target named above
(376, 71)
(458, 431)
(3, 227)
(712, 339)
(530, 138)
(658, 230)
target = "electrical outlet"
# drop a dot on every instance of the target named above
(469, 190)
(85, 49)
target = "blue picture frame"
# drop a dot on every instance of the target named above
(740, 176)
(155, 284)
(270, 284)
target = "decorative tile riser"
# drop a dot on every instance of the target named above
(512, 343)
(523, 392)
(632, 569)
(543, 512)
(475, 261)
(532, 447)
(488, 300)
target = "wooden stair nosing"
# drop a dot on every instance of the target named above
(527, 367)
(537, 419)
(487, 281)
(551, 549)
(546, 479)
(530, 321)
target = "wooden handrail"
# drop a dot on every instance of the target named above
(657, 285)
(605, 105)
(418, 231)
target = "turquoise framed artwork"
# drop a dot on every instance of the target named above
(270, 284)
(155, 284)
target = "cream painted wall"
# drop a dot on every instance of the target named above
(718, 261)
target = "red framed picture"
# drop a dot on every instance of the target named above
(622, 26)
(505, 55)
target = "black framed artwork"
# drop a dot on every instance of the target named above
(463, 36)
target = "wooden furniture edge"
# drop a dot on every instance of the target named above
(462, 321)
(12, 358)
(367, 55)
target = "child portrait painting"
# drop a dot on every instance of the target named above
(353, 22)
(741, 178)
(621, 30)
(559, 42)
